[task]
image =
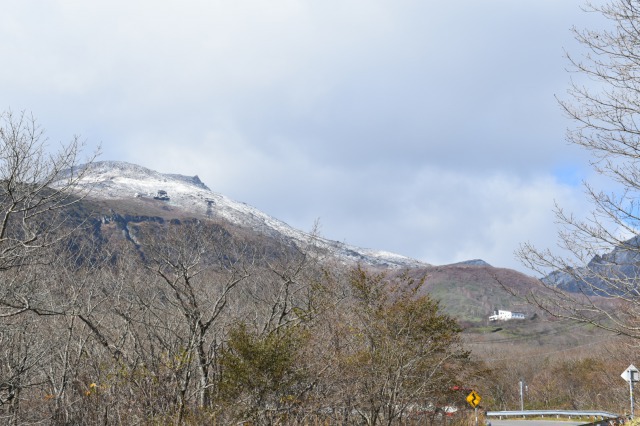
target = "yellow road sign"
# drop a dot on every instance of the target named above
(474, 399)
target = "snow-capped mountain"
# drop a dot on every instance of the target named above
(115, 180)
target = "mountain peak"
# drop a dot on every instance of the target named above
(472, 262)
(104, 171)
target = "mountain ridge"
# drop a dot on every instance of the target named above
(609, 274)
(119, 180)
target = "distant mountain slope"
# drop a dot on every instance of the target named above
(143, 190)
(611, 273)
(470, 292)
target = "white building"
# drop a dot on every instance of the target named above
(500, 315)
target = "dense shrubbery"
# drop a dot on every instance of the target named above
(185, 335)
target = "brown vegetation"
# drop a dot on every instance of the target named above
(188, 321)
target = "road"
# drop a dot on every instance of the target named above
(520, 422)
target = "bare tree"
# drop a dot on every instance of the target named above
(37, 193)
(198, 267)
(602, 266)
(37, 185)
(269, 362)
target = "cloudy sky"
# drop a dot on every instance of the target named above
(425, 128)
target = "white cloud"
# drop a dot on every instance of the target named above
(443, 216)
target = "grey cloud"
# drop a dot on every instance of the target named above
(332, 110)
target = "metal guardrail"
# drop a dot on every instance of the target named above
(550, 413)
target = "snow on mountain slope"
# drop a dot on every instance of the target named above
(116, 180)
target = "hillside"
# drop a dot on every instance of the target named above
(123, 202)
(472, 292)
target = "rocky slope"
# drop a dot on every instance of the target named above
(150, 190)
(611, 274)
